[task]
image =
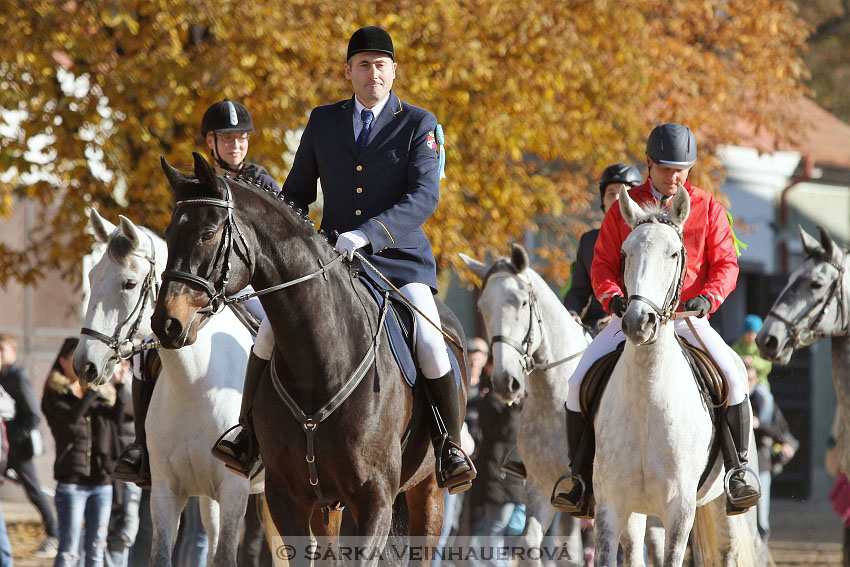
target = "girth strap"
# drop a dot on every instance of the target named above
(310, 423)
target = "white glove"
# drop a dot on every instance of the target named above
(348, 242)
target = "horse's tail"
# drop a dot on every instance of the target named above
(709, 540)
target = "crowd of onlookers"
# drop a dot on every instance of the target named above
(93, 519)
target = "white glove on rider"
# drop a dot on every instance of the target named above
(348, 242)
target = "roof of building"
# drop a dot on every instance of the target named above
(825, 138)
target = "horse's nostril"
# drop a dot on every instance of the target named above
(514, 385)
(90, 372)
(771, 344)
(172, 328)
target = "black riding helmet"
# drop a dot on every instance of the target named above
(672, 145)
(226, 117)
(618, 173)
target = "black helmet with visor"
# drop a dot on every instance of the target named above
(672, 145)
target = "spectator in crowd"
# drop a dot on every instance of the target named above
(497, 495)
(7, 412)
(85, 424)
(124, 519)
(840, 493)
(746, 346)
(20, 431)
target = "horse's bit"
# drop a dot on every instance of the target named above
(836, 288)
(524, 349)
(216, 293)
(127, 347)
(674, 292)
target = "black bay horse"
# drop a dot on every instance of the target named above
(331, 416)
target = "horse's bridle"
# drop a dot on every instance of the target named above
(836, 288)
(217, 292)
(674, 292)
(524, 349)
(127, 347)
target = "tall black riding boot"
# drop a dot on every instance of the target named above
(455, 470)
(581, 448)
(133, 464)
(742, 495)
(241, 454)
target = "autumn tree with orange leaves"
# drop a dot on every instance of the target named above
(535, 99)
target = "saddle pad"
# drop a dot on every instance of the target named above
(595, 381)
(400, 324)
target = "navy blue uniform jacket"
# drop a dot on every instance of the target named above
(388, 191)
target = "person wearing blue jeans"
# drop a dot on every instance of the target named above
(85, 424)
(5, 544)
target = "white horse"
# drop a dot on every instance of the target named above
(197, 396)
(653, 429)
(535, 346)
(816, 304)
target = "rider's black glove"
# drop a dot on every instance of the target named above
(617, 305)
(699, 303)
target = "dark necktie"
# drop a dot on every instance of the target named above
(664, 201)
(363, 138)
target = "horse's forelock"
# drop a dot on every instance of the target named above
(502, 265)
(120, 248)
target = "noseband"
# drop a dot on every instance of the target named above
(835, 289)
(674, 292)
(125, 348)
(524, 349)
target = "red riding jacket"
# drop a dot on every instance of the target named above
(712, 262)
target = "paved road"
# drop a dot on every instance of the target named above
(805, 533)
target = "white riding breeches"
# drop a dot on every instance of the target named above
(608, 339)
(430, 347)
(264, 343)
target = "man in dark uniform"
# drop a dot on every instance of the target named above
(377, 160)
(579, 300)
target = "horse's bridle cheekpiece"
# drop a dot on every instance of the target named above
(524, 348)
(128, 346)
(674, 293)
(217, 292)
(836, 290)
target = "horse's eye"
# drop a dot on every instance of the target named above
(129, 284)
(207, 235)
(673, 255)
(816, 284)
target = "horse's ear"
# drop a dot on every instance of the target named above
(175, 177)
(810, 245)
(628, 208)
(100, 227)
(519, 258)
(826, 241)
(478, 268)
(130, 231)
(204, 173)
(680, 208)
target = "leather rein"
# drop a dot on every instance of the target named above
(129, 345)
(527, 361)
(218, 299)
(836, 291)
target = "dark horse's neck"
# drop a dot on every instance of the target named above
(321, 326)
